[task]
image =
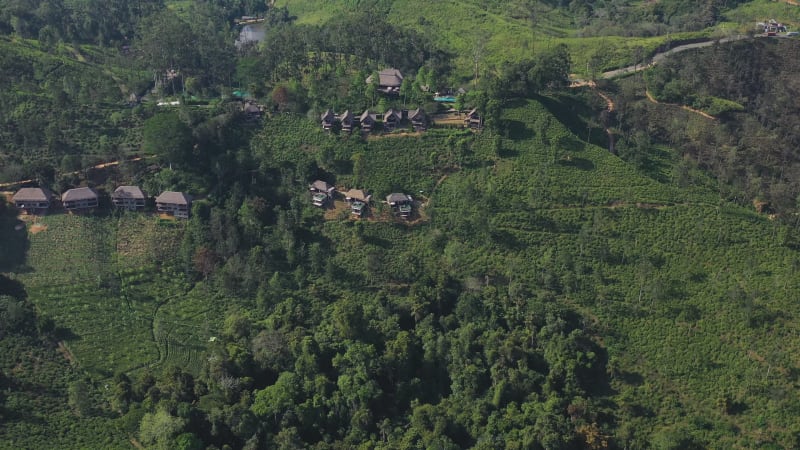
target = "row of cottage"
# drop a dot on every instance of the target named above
(322, 193)
(38, 200)
(391, 120)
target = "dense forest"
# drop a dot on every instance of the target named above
(605, 264)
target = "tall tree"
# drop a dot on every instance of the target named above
(165, 134)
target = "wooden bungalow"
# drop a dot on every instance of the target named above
(34, 201)
(391, 119)
(321, 192)
(176, 204)
(348, 120)
(473, 120)
(79, 199)
(400, 203)
(252, 110)
(419, 120)
(367, 121)
(128, 197)
(359, 200)
(389, 81)
(328, 117)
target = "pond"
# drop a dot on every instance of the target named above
(255, 32)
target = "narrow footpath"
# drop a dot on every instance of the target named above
(684, 107)
(97, 166)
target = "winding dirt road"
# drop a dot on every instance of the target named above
(656, 59)
(659, 57)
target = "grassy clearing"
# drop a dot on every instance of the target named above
(180, 7)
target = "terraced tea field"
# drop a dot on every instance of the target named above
(111, 287)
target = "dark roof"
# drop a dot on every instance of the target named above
(320, 186)
(32, 195)
(128, 192)
(175, 198)
(346, 116)
(78, 194)
(252, 109)
(366, 116)
(388, 77)
(397, 197)
(418, 114)
(328, 115)
(391, 112)
(357, 194)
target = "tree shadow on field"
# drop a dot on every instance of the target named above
(12, 288)
(657, 165)
(14, 241)
(577, 163)
(377, 241)
(506, 152)
(22, 415)
(505, 238)
(65, 334)
(517, 129)
(574, 114)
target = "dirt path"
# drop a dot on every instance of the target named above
(14, 183)
(657, 58)
(609, 106)
(66, 353)
(97, 166)
(609, 102)
(683, 107)
(76, 53)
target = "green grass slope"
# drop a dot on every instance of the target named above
(109, 284)
(692, 298)
(470, 30)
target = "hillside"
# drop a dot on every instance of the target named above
(597, 264)
(748, 87)
(600, 35)
(655, 276)
(64, 106)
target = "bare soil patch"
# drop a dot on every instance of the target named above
(448, 119)
(337, 210)
(395, 134)
(66, 353)
(37, 228)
